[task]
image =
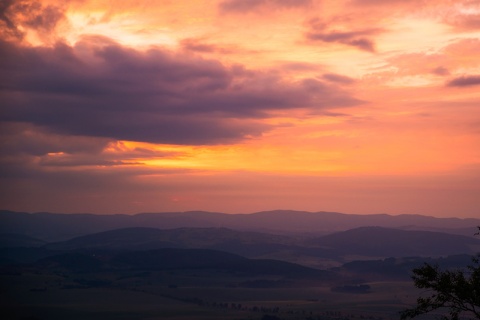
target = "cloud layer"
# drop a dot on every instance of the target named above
(100, 88)
(193, 105)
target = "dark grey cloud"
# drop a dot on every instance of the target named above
(464, 81)
(25, 139)
(360, 39)
(99, 88)
(250, 5)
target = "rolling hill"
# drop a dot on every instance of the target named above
(13, 240)
(363, 241)
(141, 238)
(175, 259)
(378, 241)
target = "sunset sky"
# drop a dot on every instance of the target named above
(237, 106)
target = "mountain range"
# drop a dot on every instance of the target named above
(318, 240)
(56, 227)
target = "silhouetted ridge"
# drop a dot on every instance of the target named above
(150, 238)
(126, 238)
(19, 240)
(175, 259)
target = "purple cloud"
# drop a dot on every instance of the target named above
(441, 71)
(203, 46)
(464, 81)
(192, 44)
(338, 78)
(250, 5)
(353, 38)
(319, 31)
(240, 5)
(99, 88)
(26, 139)
(379, 2)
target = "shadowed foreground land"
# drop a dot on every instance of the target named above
(199, 284)
(127, 271)
(172, 295)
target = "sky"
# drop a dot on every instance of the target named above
(239, 106)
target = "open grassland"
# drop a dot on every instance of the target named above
(33, 295)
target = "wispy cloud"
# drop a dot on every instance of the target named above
(333, 77)
(360, 39)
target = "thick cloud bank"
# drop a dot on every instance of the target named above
(103, 89)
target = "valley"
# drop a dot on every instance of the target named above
(211, 272)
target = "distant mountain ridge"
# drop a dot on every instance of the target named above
(380, 241)
(56, 227)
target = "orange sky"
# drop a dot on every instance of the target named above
(357, 106)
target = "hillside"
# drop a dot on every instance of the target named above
(176, 260)
(13, 240)
(378, 241)
(151, 238)
(314, 251)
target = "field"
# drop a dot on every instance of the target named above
(186, 295)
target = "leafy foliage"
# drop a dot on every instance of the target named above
(456, 292)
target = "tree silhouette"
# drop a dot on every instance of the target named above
(455, 292)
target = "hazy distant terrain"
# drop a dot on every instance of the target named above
(55, 227)
(200, 265)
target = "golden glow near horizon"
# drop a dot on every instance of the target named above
(394, 89)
